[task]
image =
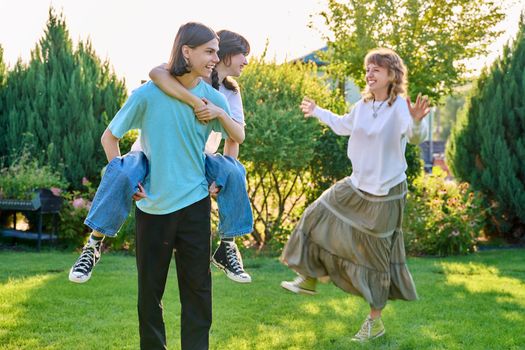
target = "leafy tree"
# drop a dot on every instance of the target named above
(3, 70)
(281, 145)
(60, 103)
(487, 145)
(452, 106)
(434, 38)
(3, 76)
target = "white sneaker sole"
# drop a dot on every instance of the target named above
(78, 279)
(236, 278)
(369, 339)
(294, 289)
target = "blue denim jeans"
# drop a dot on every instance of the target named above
(235, 212)
(112, 202)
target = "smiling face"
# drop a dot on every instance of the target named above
(377, 78)
(232, 65)
(237, 63)
(203, 58)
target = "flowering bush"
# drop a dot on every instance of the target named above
(74, 232)
(442, 217)
(74, 210)
(25, 175)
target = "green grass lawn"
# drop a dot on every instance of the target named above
(473, 302)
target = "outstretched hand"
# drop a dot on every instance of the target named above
(420, 108)
(307, 107)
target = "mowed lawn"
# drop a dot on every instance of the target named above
(472, 302)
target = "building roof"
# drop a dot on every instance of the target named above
(312, 57)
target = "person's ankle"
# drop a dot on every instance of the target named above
(374, 316)
(96, 236)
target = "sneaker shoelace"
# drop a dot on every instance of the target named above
(366, 330)
(86, 260)
(299, 280)
(233, 259)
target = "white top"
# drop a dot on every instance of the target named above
(377, 145)
(235, 101)
(214, 140)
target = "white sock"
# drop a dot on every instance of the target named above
(93, 240)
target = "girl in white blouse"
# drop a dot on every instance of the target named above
(352, 233)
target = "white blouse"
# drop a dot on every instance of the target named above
(377, 145)
(237, 113)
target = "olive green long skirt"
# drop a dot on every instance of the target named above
(355, 239)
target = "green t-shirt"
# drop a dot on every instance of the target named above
(173, 141)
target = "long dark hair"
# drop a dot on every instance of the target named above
(192, 34)
(230, 44)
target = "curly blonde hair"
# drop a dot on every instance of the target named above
(397, 73)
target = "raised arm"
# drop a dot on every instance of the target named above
(418, 129)
(341, 125)
(167, 83)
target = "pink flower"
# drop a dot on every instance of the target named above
(85, 181)
(79, 203)
(56, 191)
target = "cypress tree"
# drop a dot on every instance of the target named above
(3, 116)
(60, 103)
(487, 145)
(3, 72)
(3, 76)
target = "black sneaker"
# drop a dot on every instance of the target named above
(228, 258)
(81, 271)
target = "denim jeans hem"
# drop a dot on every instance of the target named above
(241, 232)
(105, 232)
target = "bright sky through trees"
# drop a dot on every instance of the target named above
(138, 34)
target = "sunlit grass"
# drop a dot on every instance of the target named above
(474, 302)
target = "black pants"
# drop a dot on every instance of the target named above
(188, 232)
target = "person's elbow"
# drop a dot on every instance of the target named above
(239, 138)
(154, 73)
(157, 72)
(235, 130)
(243, 136)
(108, 138)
